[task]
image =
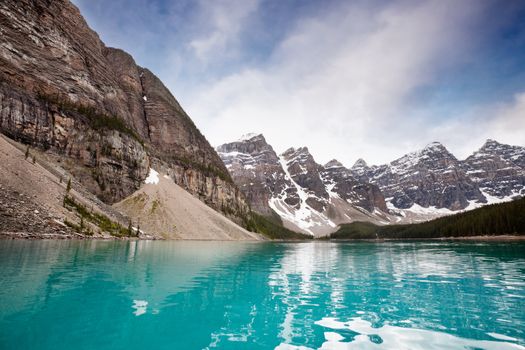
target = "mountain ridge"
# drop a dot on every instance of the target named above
(418, 186)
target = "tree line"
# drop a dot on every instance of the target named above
(491, 220)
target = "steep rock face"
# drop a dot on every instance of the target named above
(360, 169)
(257, 172)
(61, 89)
(305, 172)
(498, 169)
(431, 177)
(107, 162)
(340, 181)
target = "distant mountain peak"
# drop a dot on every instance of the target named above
(248, 144)
(491, 144)
(296, 151)
(492, 141)
(250, 136)
(435, 146)
(360, 163)
(334, 163)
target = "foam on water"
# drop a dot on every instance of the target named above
(393, 337)
(140, 307)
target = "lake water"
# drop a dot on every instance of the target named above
(204, 295)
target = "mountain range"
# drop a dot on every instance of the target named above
(93, 143)
(425, 184)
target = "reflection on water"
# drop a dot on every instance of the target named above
(204, 295)
(393, 337)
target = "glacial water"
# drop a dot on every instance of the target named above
(205, 295)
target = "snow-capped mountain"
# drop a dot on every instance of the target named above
(257, 171)
(342, 183)
(498, 170)
(307, 196)
(421, 185)
(430, 178)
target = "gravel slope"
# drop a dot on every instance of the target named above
(164, 208)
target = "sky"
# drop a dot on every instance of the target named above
(371, 79)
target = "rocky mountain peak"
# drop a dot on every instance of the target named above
(432, 156)
(360, 163)
(491, 144)
(498, 169)
(431, 176)
(257, 171)
(334, 163)
(360, 169)
(251, 144)
(295, 152)
(435, 146)
(509, 153)
(250, 137)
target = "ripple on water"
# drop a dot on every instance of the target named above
(140, 306)
(195, 295)
(394, 337)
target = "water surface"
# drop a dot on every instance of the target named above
(204, 295)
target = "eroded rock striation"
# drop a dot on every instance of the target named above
(63, 90)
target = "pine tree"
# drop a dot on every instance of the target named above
(130, 228)
(27, 151)
(68, 188)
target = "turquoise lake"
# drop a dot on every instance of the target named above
(206, 295)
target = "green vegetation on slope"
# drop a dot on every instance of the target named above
(491, 220)
(206, 169)
(96, 120)
(272, 229)
(101, 221)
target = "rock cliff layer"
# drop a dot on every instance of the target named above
(63, 90)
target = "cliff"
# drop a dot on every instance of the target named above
(104, 118)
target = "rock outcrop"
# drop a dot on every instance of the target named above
(360, 193)
(257, 171)
(63, 90)
(498, 169)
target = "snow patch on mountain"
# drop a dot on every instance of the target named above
(304, 217)
(153, 177)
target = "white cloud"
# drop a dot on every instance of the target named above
(509, 121)
(343, 81)
(340, 83)
(223, 21)
(504, 122)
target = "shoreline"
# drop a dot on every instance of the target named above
(500, 238)
(9, 235)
